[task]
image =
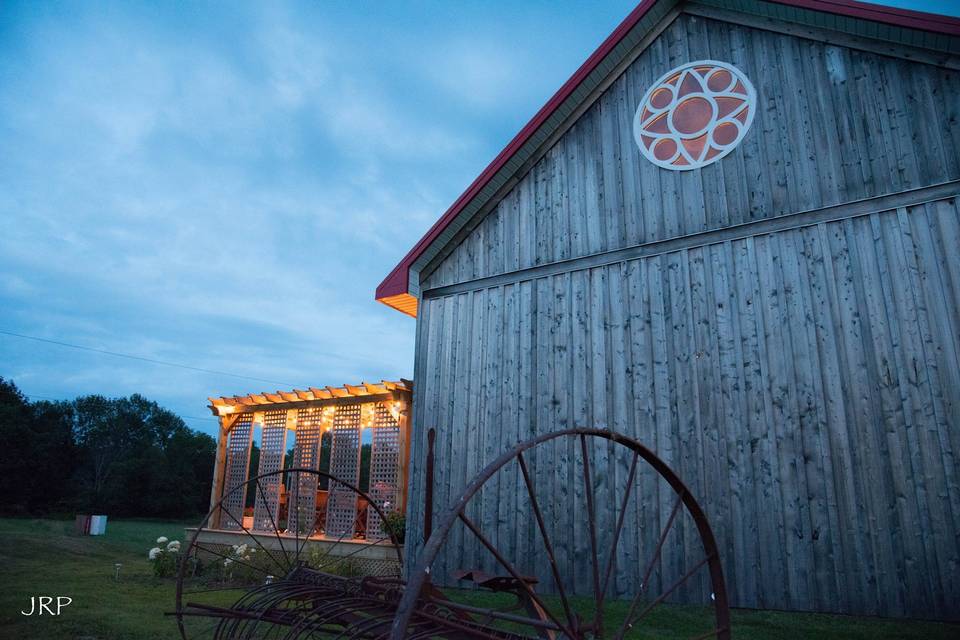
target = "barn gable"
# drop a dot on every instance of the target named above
(819, 105)
(932, 39)
(781, 326)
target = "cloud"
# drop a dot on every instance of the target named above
(226, 189)
(483, 75)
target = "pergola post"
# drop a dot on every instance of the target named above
(404, 457)
(219, 468)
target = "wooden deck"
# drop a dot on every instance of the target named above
(360, 550)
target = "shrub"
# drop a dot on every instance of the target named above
(396, 523)
(165, 557)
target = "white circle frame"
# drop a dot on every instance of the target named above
(749, 104)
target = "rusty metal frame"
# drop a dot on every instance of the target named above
(286, 559)
(420, 575)
(309, 603)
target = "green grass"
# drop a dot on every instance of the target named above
(43, 557)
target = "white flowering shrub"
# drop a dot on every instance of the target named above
(245, 563)
(165, 557)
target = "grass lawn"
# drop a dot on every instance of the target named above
(43, 557)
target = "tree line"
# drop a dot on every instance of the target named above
(120, 457)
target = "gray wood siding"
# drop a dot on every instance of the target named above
(832, 125)
(804, 383)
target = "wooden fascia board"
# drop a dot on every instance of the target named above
(305, 404)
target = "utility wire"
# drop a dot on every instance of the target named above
(142, 359)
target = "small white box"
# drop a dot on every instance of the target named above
(98, 525)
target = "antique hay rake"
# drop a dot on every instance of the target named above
(619, 526)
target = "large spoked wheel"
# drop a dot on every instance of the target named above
(264, 579)
(592, 531)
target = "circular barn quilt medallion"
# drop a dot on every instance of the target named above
(694, 115)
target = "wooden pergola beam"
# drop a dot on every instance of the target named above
(365, 392)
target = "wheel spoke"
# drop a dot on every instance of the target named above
(241, 562)
(546, 539)
(663, 596)
(254, 538)
(512, 571)
(329, 549)
(273, 523)
(296, 522)
(620, 519)
(592, 516)
(650, 565)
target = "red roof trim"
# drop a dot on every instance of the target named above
(396, 283)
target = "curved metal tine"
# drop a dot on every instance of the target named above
(273, 523)
(314, 620)
(620, 519)
(263, 606)
(258, 605)
(592, 515)
(650, 565)
(268, 605)
(512, 571)
(301, 607)
(210, 623)
(546, 539)
(359, 629)
(252, 537)
(294, 592)
(246, 564)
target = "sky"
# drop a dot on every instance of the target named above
(225, 188)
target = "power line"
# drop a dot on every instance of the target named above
(142, 359)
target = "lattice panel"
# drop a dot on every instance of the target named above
(235, 474)
(384, 469)
(302, 499)
(273, 446)
(344, 464)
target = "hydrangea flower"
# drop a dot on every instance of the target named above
(162, 540)
(154, 553)
(174, 545)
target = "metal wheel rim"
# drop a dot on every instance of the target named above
(408, 605)
(181, 606)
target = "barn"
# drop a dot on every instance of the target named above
(734, 235)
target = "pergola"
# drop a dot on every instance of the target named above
(342, 414)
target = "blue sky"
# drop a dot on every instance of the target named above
(225, 189)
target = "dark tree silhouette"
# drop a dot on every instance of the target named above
(117, 456)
